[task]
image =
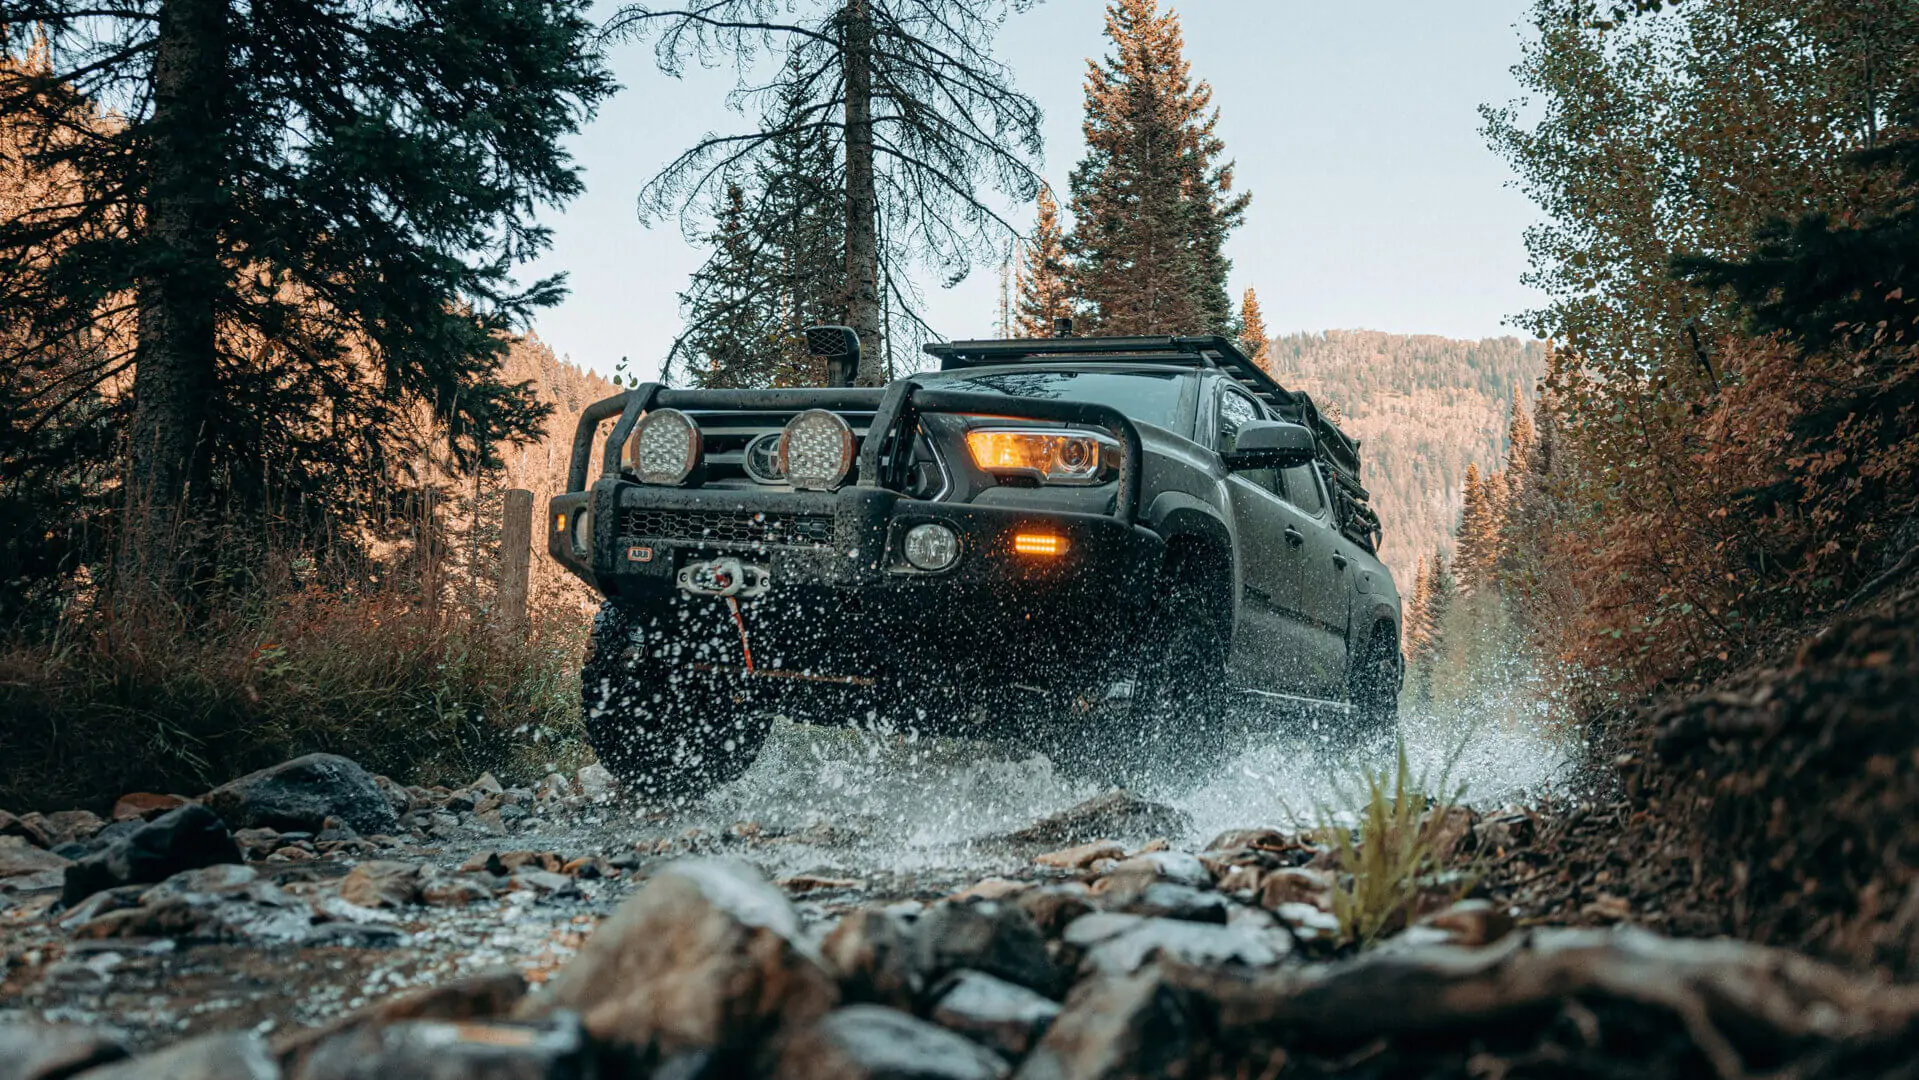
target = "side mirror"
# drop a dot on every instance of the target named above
(1270, 444)
(839, 348)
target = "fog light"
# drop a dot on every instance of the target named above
(932, 547)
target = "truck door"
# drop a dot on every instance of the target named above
(1272, 646)
(1327, 579)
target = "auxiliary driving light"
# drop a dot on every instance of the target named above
(931, 547)
(1039, 544)
(582, 535)
(1051, 457)
(665, 447)
(816, 450)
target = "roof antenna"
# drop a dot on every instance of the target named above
(1063, 326)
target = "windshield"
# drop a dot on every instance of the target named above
(1151, 397)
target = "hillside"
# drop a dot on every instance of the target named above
(1424, 408)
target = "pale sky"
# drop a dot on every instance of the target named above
(1375, 202)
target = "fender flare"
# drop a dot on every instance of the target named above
(1178, 516)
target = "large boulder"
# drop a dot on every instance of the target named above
(995, 937)
(185, 839)
(706, 959)
(19, 858)
(299, 796)
(872, 1042)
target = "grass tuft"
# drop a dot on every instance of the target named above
(1388, 854)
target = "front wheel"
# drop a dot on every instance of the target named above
(1374, 687)
(667, 732)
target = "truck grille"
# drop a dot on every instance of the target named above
(728, 527)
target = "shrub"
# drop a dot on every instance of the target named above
(1388, 851)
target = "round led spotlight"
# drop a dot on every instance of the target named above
(666, 447)
(816, 450)
(931, 547)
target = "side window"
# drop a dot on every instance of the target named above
(1302, 489)
(1235, 409)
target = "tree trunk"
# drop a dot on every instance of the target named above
(174, 376)
(862, 202)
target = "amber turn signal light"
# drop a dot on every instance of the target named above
(1039, 544)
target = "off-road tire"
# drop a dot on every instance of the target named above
(666, 732)
(1373, 688)
(1177, 724)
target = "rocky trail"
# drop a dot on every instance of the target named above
(864, 906)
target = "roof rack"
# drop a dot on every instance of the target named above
(1340, 451)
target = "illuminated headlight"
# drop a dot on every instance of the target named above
(665, 448)
(1051, 457)
(816, 450)
(931, 547)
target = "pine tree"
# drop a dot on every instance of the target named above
(1044, 292)
(308, 219)
(1152, 203)
(1254, 341)
(1418, 617)
(1521, 438)
(1473, 560)
(732, 335)
(800, 225)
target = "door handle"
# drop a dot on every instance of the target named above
(1294, 536)
(1339, 561)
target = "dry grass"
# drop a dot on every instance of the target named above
(1387, 846)
(155, 699)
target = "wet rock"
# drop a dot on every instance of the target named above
(872, 951)
(20, 857)
(1081, 857)
(872, 1042)
(1161, 899)
(997, 1014)
(556, 1049)
(1308, 923)
(1135, 1026)
(1053, 907)
(216, 903)
(706, 957)
(1241, 879)
(257, 843)
(1296, 885)
(1234, 839)
(587, 868)
(187, 838)
(992, 888)
(69, 826)
(545, 883)
(1116, 813)
(1174, 866)
(991, 936)
(33, 832)
(488, 784)
(335, 830)
(1472, 922)
(302, 793)
(398, 796)
(36, 1051)
(210, 1057)
(503, 863)
(486, 995)
(597, 784)
(454, 892)
(144, 806)
(382, 883)
(1116, 944)
(101, 903)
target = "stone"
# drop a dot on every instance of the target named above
(69, 826)
(488, 784)
(1296, 885)
(209, 1057)
(1233, 839)
(998, 1015)
(36, 1051)
(706, 957)
(382, 883)
(398, 795)
(1472, 922)
(32, 831)
(1081, 857)
(486, 995)
(225, 902)
(1116, 813)
(545, 883)
(1116, 944)
(555, 1049)
(1174, 866)
(20, 856)
(1505, 831)
(597, 784)
(101, 903)
(1053, 907)
(186, 838)
(144, 806)
(257, 843)
(1117, 1027)
(1308, 923)
(872, 951)
(872, 1042)
(587, 868)
(1241, 879)
(991, 936)
(454, 892)
(299, 795)
(1163, 899)
(502, 863)
(992, 888)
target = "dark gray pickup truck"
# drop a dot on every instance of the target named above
(1112, 550)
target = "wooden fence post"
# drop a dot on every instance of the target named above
(516, 550)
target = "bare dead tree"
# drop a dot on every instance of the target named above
(924, 117)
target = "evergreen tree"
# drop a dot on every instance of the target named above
(1521, 438)
(1152, 203)
(1475, 555)
(800, 225)
(1254, 341)
(1417, 617)
(1044, 292)
(732, 332)
(298, 230)
(1441, 594)
(920, 112)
